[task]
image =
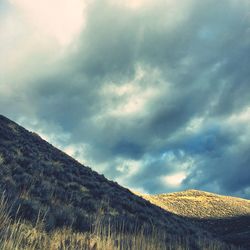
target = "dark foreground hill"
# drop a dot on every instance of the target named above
(40, 179)
(224, 216)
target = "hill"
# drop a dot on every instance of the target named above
(41, 181)
(199, 204)
(43, 177)
(224, 216)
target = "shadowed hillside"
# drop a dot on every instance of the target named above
(225, 217)
(41, 180)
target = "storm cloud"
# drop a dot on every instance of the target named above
(154, 94)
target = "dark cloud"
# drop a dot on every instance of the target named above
(161, 90)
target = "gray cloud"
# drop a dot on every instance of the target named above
(150, 93)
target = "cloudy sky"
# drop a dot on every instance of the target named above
(155, 94)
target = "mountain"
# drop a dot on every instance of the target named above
(40, 180)
(224, 216)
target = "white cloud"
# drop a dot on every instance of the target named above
(174, 180)
(240, 117)
(25, 52)
(195, 124)
(132, 97)
(49, 131)
(128, 167)
(79, 151)
(132, 4)
(60, 19)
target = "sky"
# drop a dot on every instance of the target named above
(154, 94)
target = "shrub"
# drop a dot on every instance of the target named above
(82, 222)
(26, 209)
(73, 186)
(23, 162)
(1, 159)
(47, 169)
(64, 217)
(9, 185)
(17, 170)
(89, 205)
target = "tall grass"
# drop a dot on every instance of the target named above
(19, 235)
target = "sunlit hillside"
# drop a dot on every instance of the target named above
(199, 204)
(225, 217)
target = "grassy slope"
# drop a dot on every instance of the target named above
(225, 217)
(18, 235)
(40, 179)
(201, 205)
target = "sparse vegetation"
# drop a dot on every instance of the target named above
(224, 216)
(57, 203)
(199, 204)
(40, 178)
(21, 235)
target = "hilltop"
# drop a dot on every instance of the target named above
(224, 216)
(200, 204)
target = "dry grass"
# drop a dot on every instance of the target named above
(202, 205)
(225, 217)
(18, 235)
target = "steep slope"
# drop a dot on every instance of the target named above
(40, 179)
(224, 216)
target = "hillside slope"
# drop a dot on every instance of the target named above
(201, 205)
(40, 179)
(225, 217)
